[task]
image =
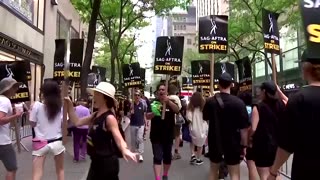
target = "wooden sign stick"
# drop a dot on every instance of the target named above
(65, 87)
(274, 68)
(212, 74)
(17, 133)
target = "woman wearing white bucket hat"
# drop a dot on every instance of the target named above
(104, 135)
(8, 88)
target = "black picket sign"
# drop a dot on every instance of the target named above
(131, 75)
(200, 72)
(58, 64)
(93, 80)
(76, 56)
(245, 74)
(143, 77)
(18, 71)
(169, 54)
(28, 70)
(213, 34)
(220, 68)
(187, 83)
(311, 22)
(270, 31)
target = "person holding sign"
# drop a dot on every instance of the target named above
(46, 119)
(105, 143)
(162, 131)
(299, 128)
(8, 88)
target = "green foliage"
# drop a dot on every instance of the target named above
(245, 24)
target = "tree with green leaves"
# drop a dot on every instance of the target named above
(117, 17)
(245, 24)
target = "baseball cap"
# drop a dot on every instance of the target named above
(226, 77)
(306, 58)
(270, 87)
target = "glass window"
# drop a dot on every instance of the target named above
(30, 10)
(38, 81)
(32, 82)
(63, 29)
(189, 41)
(289, 59)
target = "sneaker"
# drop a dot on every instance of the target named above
(164, 177)
(198, 162)
(176, 156)
(193, 159)
(140, 158)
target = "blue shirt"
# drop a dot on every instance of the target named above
(137, 119)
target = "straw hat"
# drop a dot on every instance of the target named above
(106, 89)
(8, 83)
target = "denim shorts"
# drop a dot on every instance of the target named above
(8, 157)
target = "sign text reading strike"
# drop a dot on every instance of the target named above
(213, 47)
(271, 46)
(201, 81)
(20, 95)
(71, 74)
(167, 68)
(133, 83)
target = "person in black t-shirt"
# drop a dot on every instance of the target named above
(161, 133)
(299, 128)
(232, 122)
(265, 118)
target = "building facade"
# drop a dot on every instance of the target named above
(184, 24)
(28, 31)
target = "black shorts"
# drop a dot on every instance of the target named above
(249, 155)
(231, 156)
(98, 168)
(264, 157)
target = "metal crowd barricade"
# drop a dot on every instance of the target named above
(285, 170)
(25, 130)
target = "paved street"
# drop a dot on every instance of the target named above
(181, 169)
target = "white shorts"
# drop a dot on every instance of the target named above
(55, 148)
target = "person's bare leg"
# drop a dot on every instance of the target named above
(157, 170)
(166, 168)
(59, 161)
(192, 149)
(214, 171)
(234, 172)
(11, 175)
(263, 172)
(253, 173)
(199, 152)
(37, 167)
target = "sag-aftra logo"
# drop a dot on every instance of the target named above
(313, 29)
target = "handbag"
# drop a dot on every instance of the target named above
(180, 119)
(38, 143)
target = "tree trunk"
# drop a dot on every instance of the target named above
(113, 65)
(90, 46)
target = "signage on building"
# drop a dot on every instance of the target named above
(311, 22)
(200, 73)
(220, 68)
(245, 74)
(270, 31)
(169, 54)
(213, 34)
(187, 84)
(14, 46)
(131, 75)
(16, 70)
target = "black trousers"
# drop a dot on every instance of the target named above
(104, 168)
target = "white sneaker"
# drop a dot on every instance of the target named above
(140, 158)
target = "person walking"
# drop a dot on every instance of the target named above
(46, 118)
(80, 133)
(228, 129)
(137, 124)
(198, 127)
(162, 131)
(265, 119)
(246, 97)
(8, 88)
(105, 142)
(299, 128)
